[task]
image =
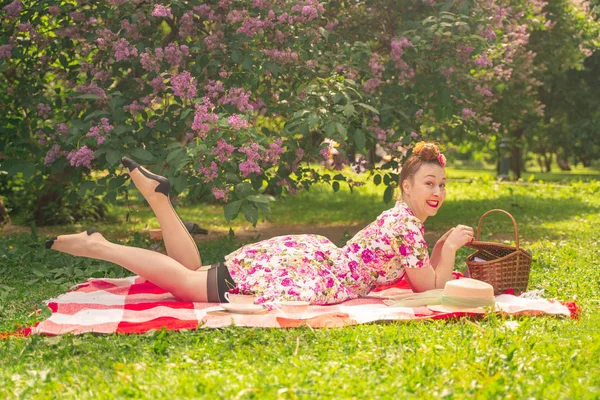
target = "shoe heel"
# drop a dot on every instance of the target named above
(50, 242)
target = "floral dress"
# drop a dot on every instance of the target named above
(312, 268)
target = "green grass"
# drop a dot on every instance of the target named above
(544, 357)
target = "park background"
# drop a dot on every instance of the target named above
(274, 117)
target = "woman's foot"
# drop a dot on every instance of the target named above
(147, 183)
(78, 244)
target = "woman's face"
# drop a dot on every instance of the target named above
(426, 190)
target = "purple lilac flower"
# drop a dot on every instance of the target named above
(77, 16)
(62, 129)
(162, 11)
(150, 62)
(82, 156)
(158, 84)
(134, 108)
(124, 50)
(247, 167)
(13, 10)
(282, 57)
(211, 173)
(223, 150)
(251, 151)
(203, 118)
(237, 123)
(44, 110)
(174, 53)
(6, 51)
(371, 85)
(274, 151)
(238, 97)
(93, 89)
(467, 113)
(52, 154)
(220, 193)
(184, 85)
(483, 61)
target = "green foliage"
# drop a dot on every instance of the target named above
(84, 85)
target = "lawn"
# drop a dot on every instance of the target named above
(541, 357)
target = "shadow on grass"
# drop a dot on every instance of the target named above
(536, 217)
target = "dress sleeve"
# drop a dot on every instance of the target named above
(410, 243)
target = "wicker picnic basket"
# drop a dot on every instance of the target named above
(505, 267)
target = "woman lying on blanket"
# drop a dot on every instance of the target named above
(295, 267)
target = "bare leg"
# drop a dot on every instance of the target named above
(178, 242)
(158, 268)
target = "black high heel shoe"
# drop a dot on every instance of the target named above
(50, 242)
(163, 183)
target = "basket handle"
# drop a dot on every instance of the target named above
(502, 211)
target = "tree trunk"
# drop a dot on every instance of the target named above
(516, 161)
(3, 214)
(563, 163)
(548, 163)
(516, 158)
(586, 162)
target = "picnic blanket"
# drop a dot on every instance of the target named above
(134, 305)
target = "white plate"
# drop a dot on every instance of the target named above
(241, 308)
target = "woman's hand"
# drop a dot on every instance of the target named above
(457, 237)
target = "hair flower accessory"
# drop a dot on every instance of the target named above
(441, 159)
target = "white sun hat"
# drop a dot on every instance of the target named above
(465, 295)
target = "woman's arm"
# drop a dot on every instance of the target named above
(439, 272)
(436, 254)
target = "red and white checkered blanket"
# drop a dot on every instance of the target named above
(133, 305)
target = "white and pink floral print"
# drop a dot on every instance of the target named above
(312, 268)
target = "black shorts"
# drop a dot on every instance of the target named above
(218, 282)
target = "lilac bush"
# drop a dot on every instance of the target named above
(233, 100)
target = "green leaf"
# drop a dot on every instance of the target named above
(368, 107)
(174, 154)
(162, 126)
(247, 64)
(243, 189)
(231, 210)
(184, 114)
(112, 157)
(341, 129)
(237, 56)
(142, 154)
(359, 139)
(388, 194)
(85, 186)
(250, 212)
(260, 198)
(88, 96)
(348, 110)
(97, 113)
(274, 68)
(330, 129)
(179, 183)
(324, 32)
(377, 180)
(120, 129)
(336, 186)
